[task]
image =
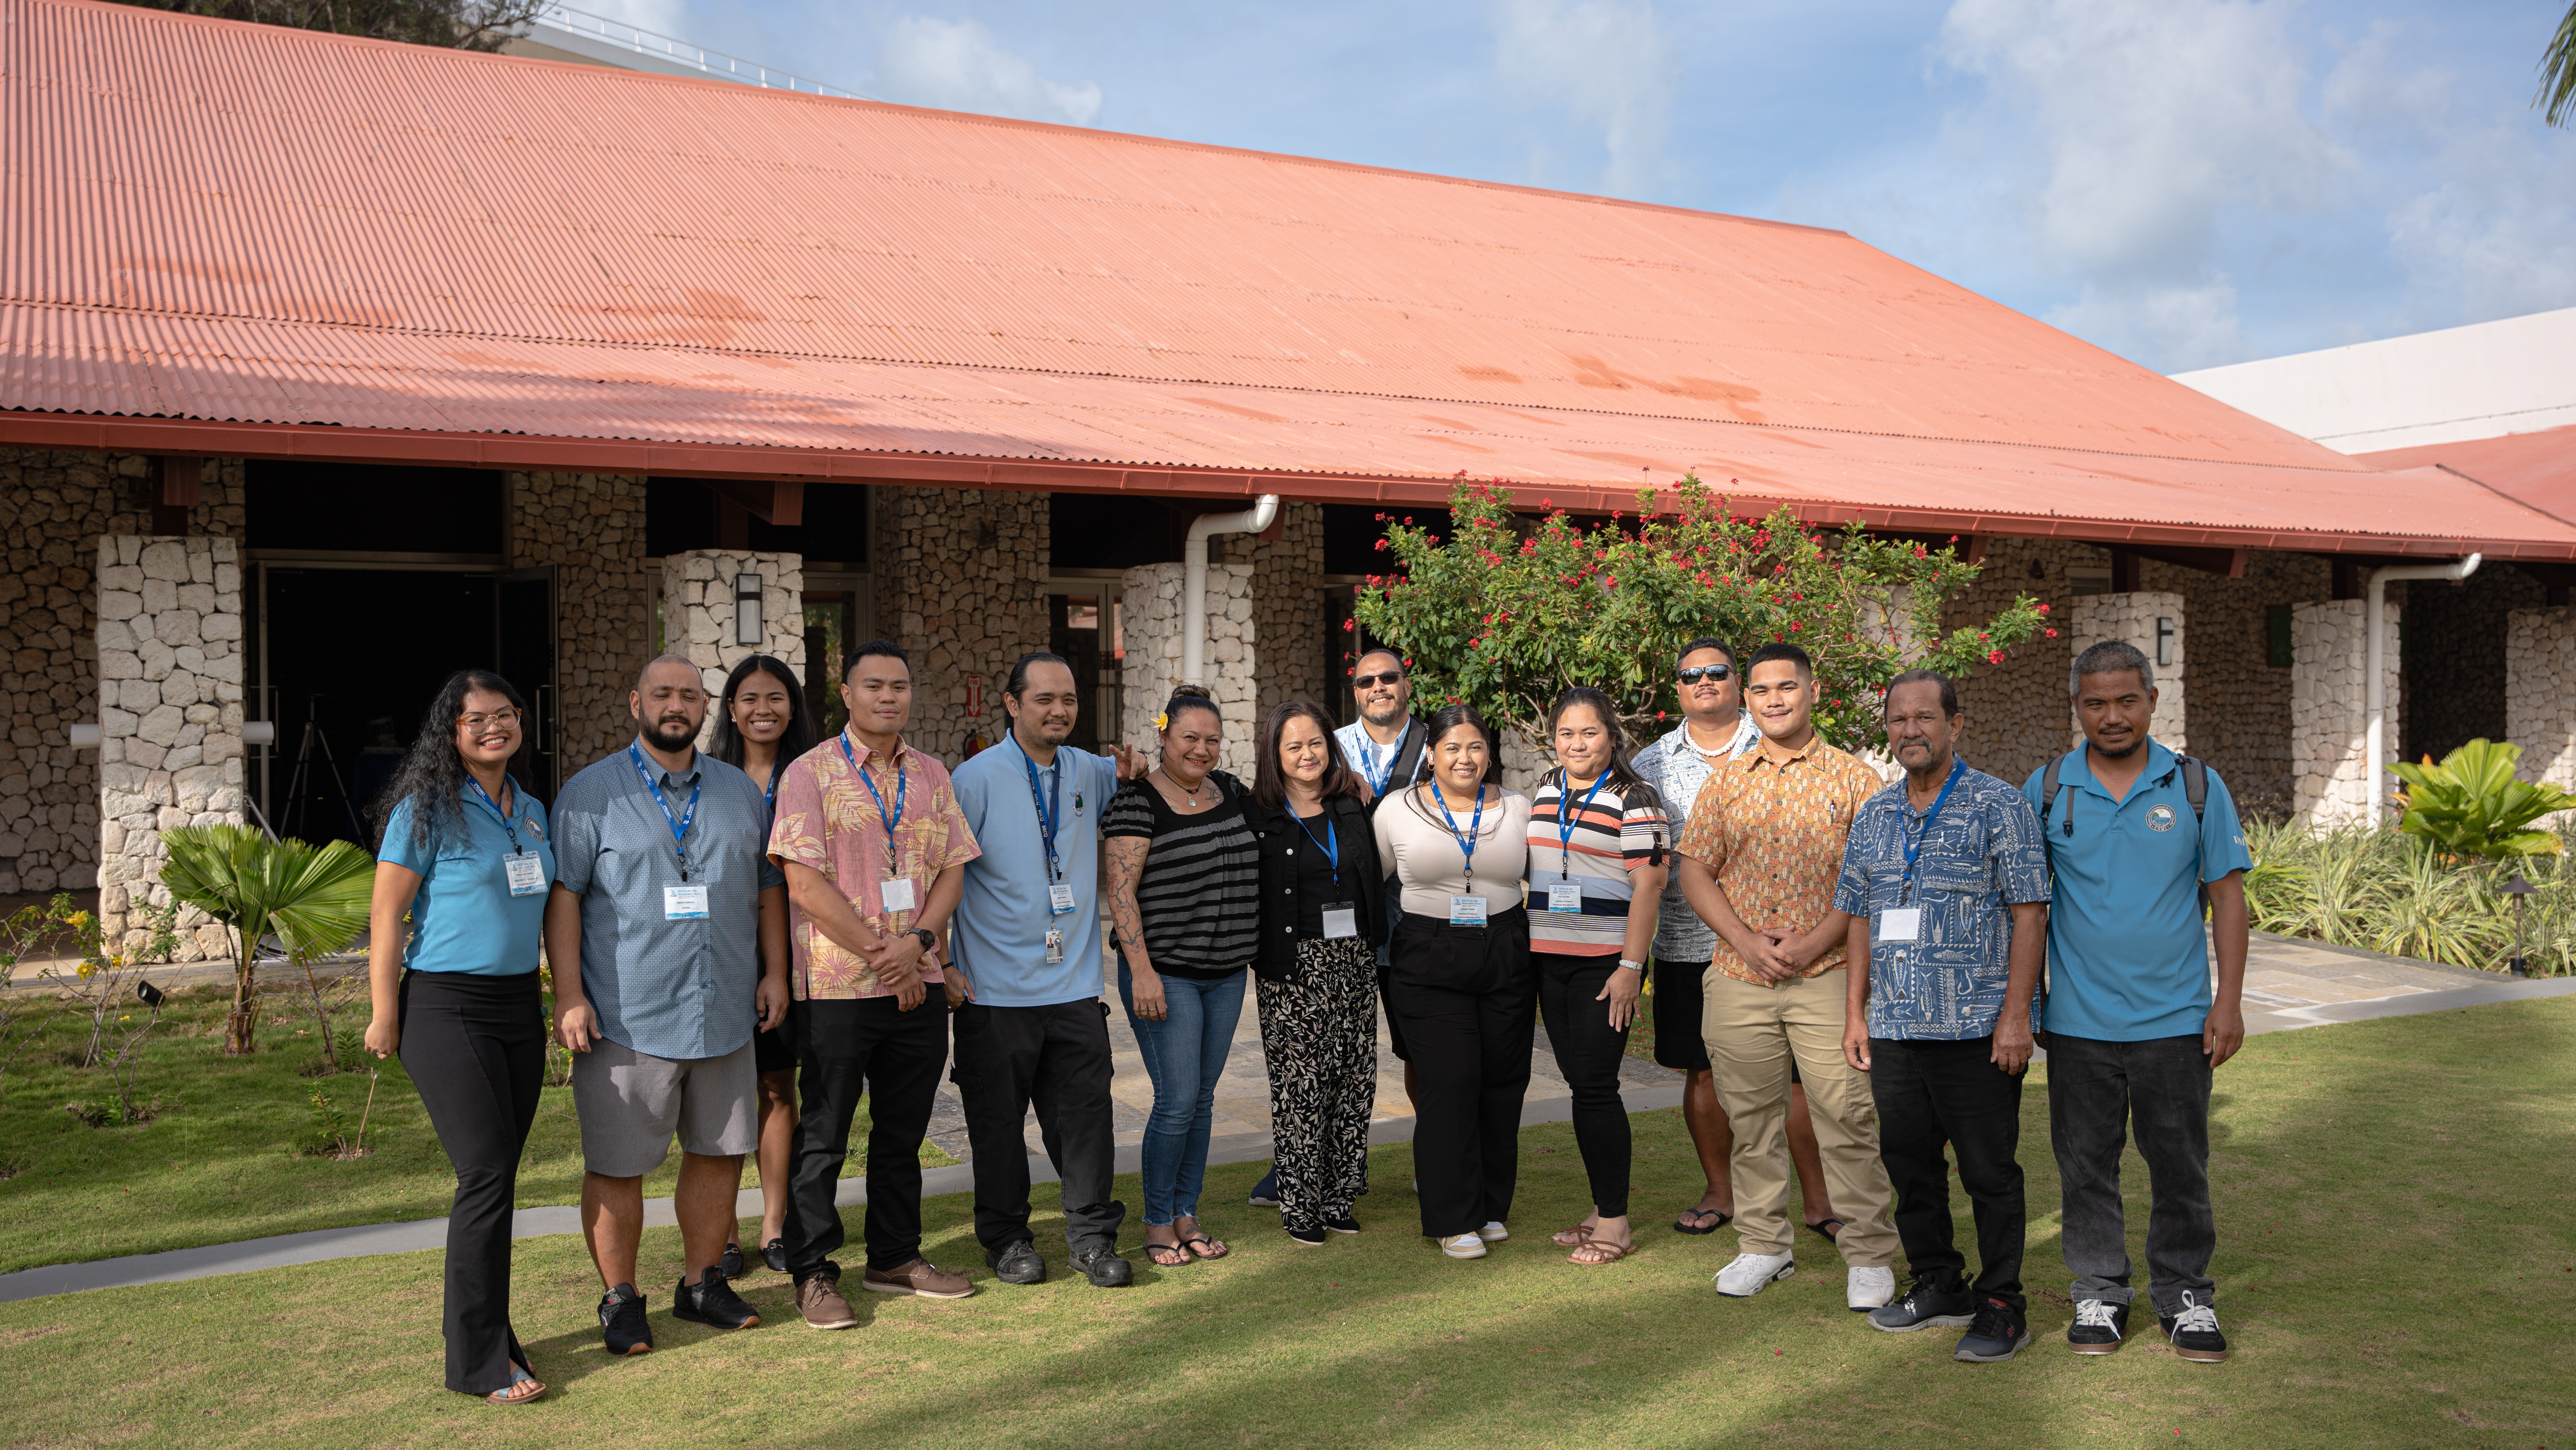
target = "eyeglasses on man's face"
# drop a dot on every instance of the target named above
(497, 720)
(1364, 682)
(1697, 673)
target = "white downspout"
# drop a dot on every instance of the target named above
(2374, 690)
(1194, 576)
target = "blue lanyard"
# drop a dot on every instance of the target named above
(1330, 845)
(1378, 778)
(508, 827)
(901, 785)
(680, 824)
(1049, 813)
(1475, 828)
(1565, 821)
(1913, 843)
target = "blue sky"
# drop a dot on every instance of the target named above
(2185, 182)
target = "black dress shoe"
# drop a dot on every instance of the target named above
(774, 1254)
(731, 1263)
(1343, 1225)
(621, 1321)
(1104, 1268)
(712, 1301)
(1018, 1264)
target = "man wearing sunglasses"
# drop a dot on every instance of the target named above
(1385, 744)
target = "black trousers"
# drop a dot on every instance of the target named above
(1057, 1059)
(1464, 997)
(475, 1047)
(843, 1049)
(1934, 1093)
(2096, 1092)
(1588, 1051)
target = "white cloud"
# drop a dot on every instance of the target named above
(957, 66)
(1604, 61)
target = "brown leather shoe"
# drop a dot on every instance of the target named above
(922, 1277)
(818, 1298)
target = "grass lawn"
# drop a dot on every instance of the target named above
(223, 1160)
(2395, 1267)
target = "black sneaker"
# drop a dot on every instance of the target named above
(1343, 1224)
(731, 1263)
(621, 1321)
(774, 1254)
(1312, 1238)
(1997, 1333)
(712, 1301)
(1104, 1268)
(2194, 1332)
(1265, 1194)
(1017, 1264)
(1927, 1305)
(2100, 1326)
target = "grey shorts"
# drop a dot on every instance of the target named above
(630, 1103)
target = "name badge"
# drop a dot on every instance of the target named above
(1060, 900)
(896, 893)
(1055, 946)
(1565, 896)
(527, 874)
(1466, 911)
(1900, 923)
(685, 903)
(1341, 919)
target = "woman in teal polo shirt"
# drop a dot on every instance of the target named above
(465, 853)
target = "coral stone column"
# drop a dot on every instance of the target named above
(1152, 622)
(2329, 716)
(701, 608)
(2154, 623)
(2540, 692)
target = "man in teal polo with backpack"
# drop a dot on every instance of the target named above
(2139, 838)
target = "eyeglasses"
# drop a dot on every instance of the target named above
(1697, 673)
(1363, 682)
(498, 719)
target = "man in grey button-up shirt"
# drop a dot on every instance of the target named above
(666, 896)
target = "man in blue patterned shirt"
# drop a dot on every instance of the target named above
(1946, 882)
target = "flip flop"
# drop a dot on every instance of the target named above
(1192, 1244)
(1828, 1234)
(1723, 1219)
(1155, 1252)
(1615, 1251)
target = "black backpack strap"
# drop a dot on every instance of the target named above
(2048, 798)
(2195, 785)
(1406, 768)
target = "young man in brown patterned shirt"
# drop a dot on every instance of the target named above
(1759, 861)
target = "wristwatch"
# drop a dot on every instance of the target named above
(1632, 966)
(929, 939)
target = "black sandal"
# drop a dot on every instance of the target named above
(1211, 1243)
(1154, 1254)
(1829, 1235)
(1723, 1219)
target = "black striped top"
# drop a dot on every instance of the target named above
(1200, 894)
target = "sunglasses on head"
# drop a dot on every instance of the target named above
(1697, 673)
(1391, 677)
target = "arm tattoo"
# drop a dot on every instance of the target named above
(1126, 861)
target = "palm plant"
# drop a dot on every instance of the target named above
(2471, 806)
(313, 898)
(2558, 73)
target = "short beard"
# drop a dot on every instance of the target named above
(1394, 712)
(659, 735)
(1046, 734)
(2109, 754)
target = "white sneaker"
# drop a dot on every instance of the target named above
(1749, 1274)
(1463, 1246)
(1867, 1289)
(1493, 1232)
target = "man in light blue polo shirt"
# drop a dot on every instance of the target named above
(2133, 1029)
(1026, 957)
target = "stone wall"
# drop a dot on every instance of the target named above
(54, 506)
(1288, 611)
(170, 718)
(2239, 713)
(2540, 693)
(2098, 618)
(2455, 657)
(2329, 746)
(698, 607)
(590, 528)
(2016, 711)
(959, 578)
(1230, 664)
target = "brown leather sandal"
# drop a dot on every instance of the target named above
(1612, 1253)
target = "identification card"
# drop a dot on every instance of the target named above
(1466, 911)
(1565, 896)
(527, 874)
(1900, 923)
(1060, 901)
(896, 893)
(685, 903)
(1341, 920)
(1055, 946)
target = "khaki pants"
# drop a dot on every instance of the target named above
(1753, 1032)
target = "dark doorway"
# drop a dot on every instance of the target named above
(353, 658)
(1073, 631)
(2451, 662)
(339, 507)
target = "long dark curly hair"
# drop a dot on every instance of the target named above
(1632, 788)
(433, 776)
(803, 731)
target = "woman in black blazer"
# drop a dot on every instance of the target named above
(1323, 904)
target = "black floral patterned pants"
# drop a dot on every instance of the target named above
(1319, 1033)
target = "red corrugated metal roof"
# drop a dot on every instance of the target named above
(2538, 469)
(204, 222)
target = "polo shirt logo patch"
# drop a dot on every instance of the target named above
(2160, 818)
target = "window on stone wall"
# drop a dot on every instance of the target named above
(2082, 579)
(2280, 622)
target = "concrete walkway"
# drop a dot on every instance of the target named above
(2290, 983)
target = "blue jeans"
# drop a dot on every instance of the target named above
(1184, 1055)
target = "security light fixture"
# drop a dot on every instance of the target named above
(746, 609)
(2521, 891)
(2164, 639)
(151, 995)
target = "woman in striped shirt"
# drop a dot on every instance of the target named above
(1185, 902)
(1597, 837)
